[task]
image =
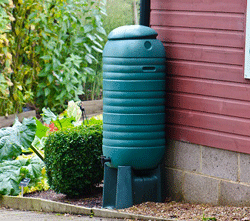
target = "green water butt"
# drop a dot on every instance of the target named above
(134, 98)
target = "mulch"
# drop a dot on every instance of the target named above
(92, 199)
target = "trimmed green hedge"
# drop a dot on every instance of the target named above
(72, 159)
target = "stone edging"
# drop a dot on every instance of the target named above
(36, 204)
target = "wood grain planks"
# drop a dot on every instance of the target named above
(209, 138)
(234, 6)
(205, 87)
(203, 70)
(208, 99)
(219, 106)
(222, 21)
(196, 36)
(207, 121)
(218, 55)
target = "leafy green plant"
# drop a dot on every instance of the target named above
(39, 181)
(73, 110)
(17, 144)
(60, 122)
(21, 137)
(208, 218)
(22, 145)
(16, 138)
(13, 171)
(5, 56)
(18, 63)
(37, 144)
(71, 34)
(14, 167)
(72, 159)
(93, 86)
(47, 51)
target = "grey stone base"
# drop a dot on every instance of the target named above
(199, 174)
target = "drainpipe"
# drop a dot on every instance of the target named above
(144, 12)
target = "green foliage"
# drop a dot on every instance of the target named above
(208, 218)
(70, 40)
(18, 63)
(13, 166)
(13, 171)
(72, 159)
(73, 110)
(68, 119)
(16, 138)
(48, 115)
(41, 130)
(48, 51)
(119, 13)
(30, 136)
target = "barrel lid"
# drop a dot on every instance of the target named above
(132, 32)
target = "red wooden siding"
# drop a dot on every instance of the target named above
(199, 20)
(234, 6)
(206, 70)
(211, 105)
(195, 36)
(205, 54)
(208, 99)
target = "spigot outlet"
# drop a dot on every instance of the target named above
(104, 160)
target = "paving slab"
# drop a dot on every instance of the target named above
(19, 215)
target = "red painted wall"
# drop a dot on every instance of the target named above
(208, 99)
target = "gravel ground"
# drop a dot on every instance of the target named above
(186, 211)
(169, 209)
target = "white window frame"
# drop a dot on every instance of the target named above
(247, 43)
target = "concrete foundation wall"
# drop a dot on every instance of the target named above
(199, 174)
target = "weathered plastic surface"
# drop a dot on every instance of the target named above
(134, 98)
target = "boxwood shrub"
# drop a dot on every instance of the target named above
(72, 159)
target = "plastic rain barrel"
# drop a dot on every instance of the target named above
(134, 98)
